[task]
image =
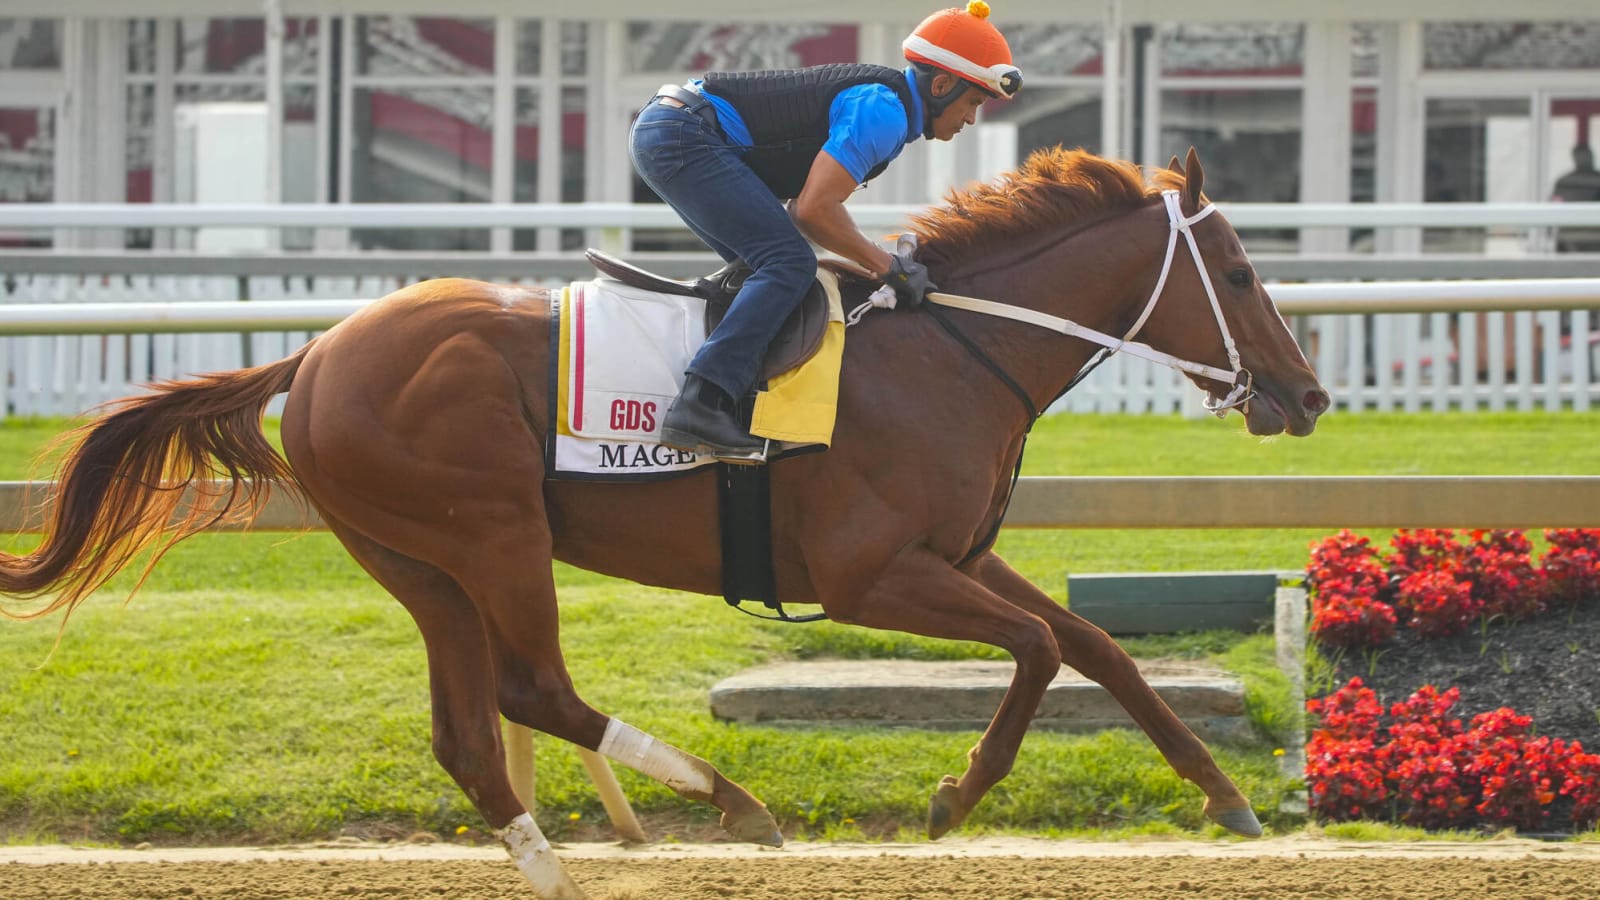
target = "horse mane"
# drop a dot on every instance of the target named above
(1052, 188)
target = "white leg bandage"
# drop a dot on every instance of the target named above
(531, 852)
(663, 762)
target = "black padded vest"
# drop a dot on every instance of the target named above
(786, 111)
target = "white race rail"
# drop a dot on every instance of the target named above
(313, 315)
(1381, 346)
(1384, 345)
(655, 215)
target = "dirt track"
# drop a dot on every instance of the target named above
(979, 870)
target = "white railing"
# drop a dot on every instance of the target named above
(1436, 345)
(285, 313)
(1386, 345)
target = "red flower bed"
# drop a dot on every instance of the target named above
(1347, 578)
(1572, 565)
(1422, 768)
(1436, 585)
(1424, 550)
(1413, 763)
(1434, 604)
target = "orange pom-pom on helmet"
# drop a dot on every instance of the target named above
(966, 44)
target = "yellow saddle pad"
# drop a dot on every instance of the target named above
(800, 405)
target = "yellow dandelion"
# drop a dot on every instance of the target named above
(573, 817)
(461, 829)
(72, 753)
(1278, 752)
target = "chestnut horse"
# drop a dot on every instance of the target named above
(417, 428)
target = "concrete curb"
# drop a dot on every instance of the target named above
(965, 694)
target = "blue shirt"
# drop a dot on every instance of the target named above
(867, 125)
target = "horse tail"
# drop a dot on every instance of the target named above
(139, 478)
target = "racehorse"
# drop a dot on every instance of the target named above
(417, 427)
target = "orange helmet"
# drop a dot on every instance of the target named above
(965, 44)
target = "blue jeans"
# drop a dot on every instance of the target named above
(690, 166)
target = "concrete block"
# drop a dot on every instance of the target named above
(964, 695)
(1171, 602)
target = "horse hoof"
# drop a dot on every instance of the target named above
(756, 826)
(944, 809)
(1242, 821)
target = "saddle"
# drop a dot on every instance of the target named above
(797, 340)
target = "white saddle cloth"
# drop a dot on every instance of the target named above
(628, 348)
(623, 351)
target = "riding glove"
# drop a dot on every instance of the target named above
(909, 279)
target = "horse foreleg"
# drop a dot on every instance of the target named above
(1092, 652)
(920, 593)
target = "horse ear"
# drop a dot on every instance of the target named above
(1193, 182)
(1175, 165)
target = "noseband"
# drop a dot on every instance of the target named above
(1241, 379)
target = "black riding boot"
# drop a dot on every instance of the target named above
(704, 419)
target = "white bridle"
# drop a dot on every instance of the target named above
(1239, 377)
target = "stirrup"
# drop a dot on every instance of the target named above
(758, 458)
(683, 440)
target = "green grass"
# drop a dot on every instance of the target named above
(261, 688)
(1384, 832)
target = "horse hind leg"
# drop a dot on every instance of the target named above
(490, 542)
(535, 690)
(743, 816)
(466, 723)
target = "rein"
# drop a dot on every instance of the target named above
(1241, 379)
(1027, 405)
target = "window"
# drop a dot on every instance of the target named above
(1511, 45)
(215, 61)
(1234, 50)
(30, 44)
(1061, 95)
(691, 48)
(568, 182)
(1232, 91)
(421, 121)
(1476, 151)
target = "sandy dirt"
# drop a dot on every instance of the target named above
(980, 869)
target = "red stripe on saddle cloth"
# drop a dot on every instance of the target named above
(577, 360)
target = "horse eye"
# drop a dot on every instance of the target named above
(1239, 277)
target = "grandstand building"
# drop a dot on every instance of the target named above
(356, 101)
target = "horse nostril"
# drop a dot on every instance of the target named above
(1316, 401)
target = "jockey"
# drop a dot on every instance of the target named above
(727, 150)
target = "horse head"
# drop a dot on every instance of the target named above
(1091, 248)
(1280, 391)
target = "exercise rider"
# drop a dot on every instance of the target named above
(725, 151)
